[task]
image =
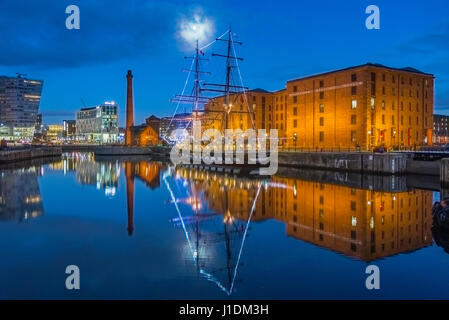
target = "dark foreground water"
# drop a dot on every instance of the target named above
(141, 229)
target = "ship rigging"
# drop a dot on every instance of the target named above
(202, 92)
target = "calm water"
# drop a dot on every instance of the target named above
(141, 229)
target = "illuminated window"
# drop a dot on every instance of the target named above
(354, 104)
(321, 108)
(354, 221)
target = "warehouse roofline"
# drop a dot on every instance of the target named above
(368, 64)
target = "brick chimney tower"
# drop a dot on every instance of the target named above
(129, 109)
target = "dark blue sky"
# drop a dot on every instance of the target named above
(282, 40)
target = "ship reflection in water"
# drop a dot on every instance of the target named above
(214, 215)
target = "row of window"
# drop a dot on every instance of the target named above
(403, 80)
(372, 103)
(354, 120)
(353, 134)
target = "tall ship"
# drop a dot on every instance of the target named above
(214, 100)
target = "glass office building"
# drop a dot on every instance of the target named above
(19, 104)
(98, 124)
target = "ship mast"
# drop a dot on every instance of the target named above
(227, 88)
(228, 79)
(195, 99)
(197, 86)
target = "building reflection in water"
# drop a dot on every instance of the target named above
(102, 174)
(360, 223)
(363, 223)
(20, 197)
(366, 222)
(148, 172)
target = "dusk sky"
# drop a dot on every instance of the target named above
(282, 40)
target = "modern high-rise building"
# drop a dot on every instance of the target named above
(360, 107)
(98, 124)
(19, 104)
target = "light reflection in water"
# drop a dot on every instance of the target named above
(216, 212)
(20, 197)
(102, 175)
(359, 223)
(215, 243)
